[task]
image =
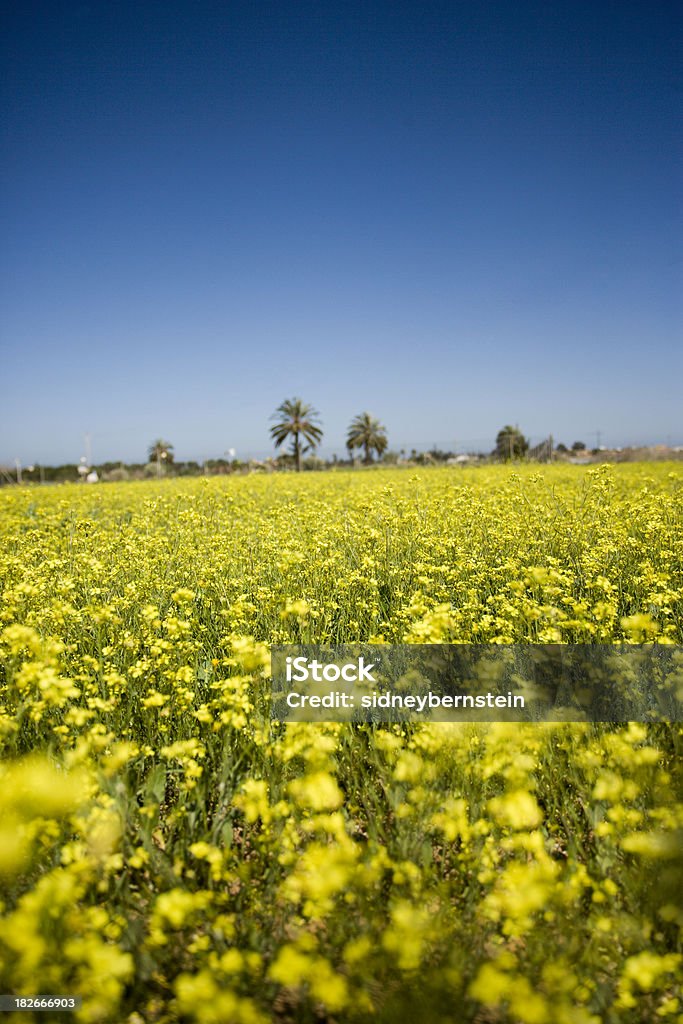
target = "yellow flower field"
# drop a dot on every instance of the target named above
(169, 854)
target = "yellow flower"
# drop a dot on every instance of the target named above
(317, 791)
(517, 809)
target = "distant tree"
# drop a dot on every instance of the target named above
(425, 459)
(297, 420)
(578, 446)
(190, 468)
(510, 443)
(313, 462)
(161, 452)
(438, 455)
(117, 474)
(562, 448)
(367, 433)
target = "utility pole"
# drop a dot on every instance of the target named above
(17, 463)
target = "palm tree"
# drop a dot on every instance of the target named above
(160, 451)
(297, 420)
(367, 433)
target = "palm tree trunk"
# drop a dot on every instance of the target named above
(297, 453)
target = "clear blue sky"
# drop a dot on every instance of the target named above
(454, 215)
